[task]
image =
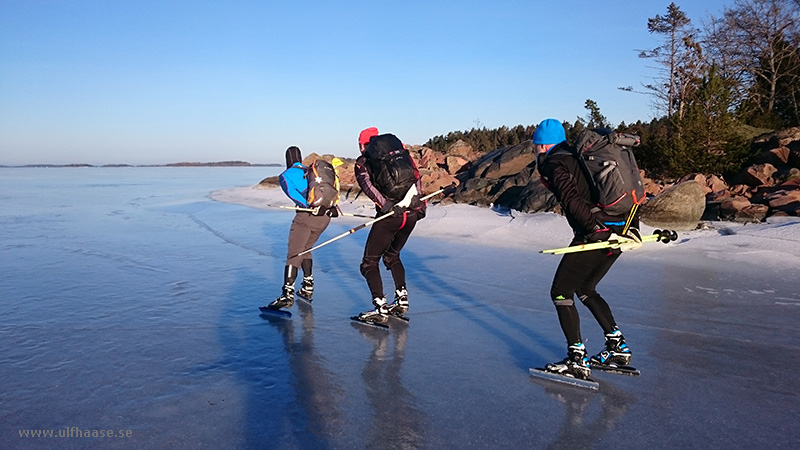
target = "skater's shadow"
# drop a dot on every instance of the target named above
(397, 421)
(425, 276)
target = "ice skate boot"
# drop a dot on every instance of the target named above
(286, 300)
(307, 289)
(575, 365)
(616, 351)
(379, 315)
(400, 304)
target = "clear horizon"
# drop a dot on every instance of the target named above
(96, 82)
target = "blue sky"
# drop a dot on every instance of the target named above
(152, 82)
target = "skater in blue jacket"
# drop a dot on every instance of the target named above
(306, 228)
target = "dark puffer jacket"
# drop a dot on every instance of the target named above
(563, 175)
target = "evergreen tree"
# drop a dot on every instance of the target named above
(595, 118)
(680, 59)
(483, 140)
(707, 134)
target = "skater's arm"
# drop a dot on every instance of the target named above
(365, 183)
(565, 186)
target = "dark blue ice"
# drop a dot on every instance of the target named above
(129, 302)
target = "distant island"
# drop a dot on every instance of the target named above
(177, 164)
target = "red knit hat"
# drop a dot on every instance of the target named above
(366, 135)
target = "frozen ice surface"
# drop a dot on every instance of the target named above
(130, 297)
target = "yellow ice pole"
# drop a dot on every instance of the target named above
(664, 236)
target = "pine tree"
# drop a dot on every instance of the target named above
(680, 59)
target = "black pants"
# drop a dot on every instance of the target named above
(579, 273)
(386, 238)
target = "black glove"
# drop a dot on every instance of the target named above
(449, 190)
(332, 212)
(386, 207)
(599, 234)
(421, 210)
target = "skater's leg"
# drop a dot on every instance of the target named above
(571, 270)
(599, 262)
(307, 287)
(391, 256)
(286, 299)
(307, 265)
(378, 241)
(299, 235)
(615, 350)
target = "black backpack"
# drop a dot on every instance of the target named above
(322, 184)
(390, 166)
(608, 161)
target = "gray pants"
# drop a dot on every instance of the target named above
(303, 234)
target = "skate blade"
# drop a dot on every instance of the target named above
(304, 298)
(371, 324)
(617, 369)
(265, 311)
(587, 383)
(399, 316)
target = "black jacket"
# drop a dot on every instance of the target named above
(562, 173)
(382, 204)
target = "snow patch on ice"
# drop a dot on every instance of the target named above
(775, 243)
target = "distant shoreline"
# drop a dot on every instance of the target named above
(178, 164)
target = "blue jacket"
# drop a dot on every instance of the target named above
(294, 184)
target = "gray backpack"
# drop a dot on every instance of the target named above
(608, 161)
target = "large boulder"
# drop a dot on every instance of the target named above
(474, 191)
(679, 207)
(498, 176)
(454, 164)
(535, 197)
(507, 190)
(460, 148)
(503, 161)
(758, 175)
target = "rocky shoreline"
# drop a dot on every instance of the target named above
(507, 177)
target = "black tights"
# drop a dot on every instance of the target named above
(579, 273)
(386, 239)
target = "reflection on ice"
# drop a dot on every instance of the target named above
(130, 301)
